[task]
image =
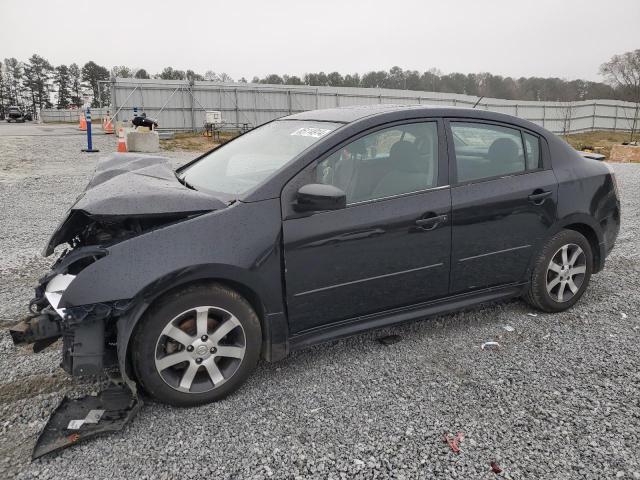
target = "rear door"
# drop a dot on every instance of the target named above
(504, 198)
(390, 247)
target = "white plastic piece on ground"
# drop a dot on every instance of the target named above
(54, 290)
(508, 328)
(623, 315)
(490, 346)
(532, 314)
(145, 142)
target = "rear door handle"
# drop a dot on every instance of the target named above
(538, 197)
(431, 223)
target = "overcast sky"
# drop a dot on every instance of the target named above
(562, 38)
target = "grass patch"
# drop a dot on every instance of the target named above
(599, 141)
(194, 142)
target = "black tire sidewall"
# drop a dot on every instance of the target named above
(156, 318)
(538, 294)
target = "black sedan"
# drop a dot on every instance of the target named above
(312, 227)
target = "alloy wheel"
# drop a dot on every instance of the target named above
(566, 272)
(200, 349)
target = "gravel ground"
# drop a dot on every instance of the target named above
(559, 399)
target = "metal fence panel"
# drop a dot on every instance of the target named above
(180, 106)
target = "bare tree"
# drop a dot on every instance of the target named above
(566, 113)
(623, 72)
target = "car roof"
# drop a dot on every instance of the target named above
(398, 112)
(350, 114)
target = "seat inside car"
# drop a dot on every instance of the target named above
(502, 158)
(409, 171)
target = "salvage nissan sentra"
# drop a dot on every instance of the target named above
(315, 226)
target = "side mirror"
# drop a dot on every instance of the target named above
(318, 196)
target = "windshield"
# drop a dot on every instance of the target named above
(248, 160)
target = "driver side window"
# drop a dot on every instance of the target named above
(397, 160)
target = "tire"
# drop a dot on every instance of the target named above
(199, 367)
(548, 279)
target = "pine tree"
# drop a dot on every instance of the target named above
(92, 73)
(63, 81)
(75, 84)
(37, 74)
(14, 75)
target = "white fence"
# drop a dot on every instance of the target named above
(50, 115)
(179, 105)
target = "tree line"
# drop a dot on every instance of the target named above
(37, 84)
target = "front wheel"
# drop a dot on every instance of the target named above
(196, 346)
(561, 273)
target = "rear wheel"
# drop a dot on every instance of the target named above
(561, 273)
(196, 346)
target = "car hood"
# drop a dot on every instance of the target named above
(126, 186)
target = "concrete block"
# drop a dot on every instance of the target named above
(146, 142)
(625, 153)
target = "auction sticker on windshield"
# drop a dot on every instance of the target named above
(311, 132)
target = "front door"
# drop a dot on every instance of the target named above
(390, 247)
(503, 203)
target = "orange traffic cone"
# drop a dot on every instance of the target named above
(122, 144)
(107, 126)
(83, 122)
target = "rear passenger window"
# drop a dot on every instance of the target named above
(532, 147)
(484, 151)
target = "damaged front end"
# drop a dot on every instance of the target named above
(89, 347)
(128, 196)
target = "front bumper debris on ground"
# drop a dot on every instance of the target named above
(77, 420)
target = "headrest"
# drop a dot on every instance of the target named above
(404, 156)
(503, 150)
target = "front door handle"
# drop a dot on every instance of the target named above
(538, 197)
(430, 223)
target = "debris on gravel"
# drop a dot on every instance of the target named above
(559, 399)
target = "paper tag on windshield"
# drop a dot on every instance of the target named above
(311, 132)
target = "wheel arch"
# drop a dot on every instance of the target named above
(271, 323)
(589, 228)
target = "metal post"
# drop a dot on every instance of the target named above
(289, 100)
(89, 148)
(593, 120)
(317, 99)
(615, 120)
(193, 114)
(235, 96)
(544, 114)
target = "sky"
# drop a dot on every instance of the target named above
(548, 38)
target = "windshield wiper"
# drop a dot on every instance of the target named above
(185, 183)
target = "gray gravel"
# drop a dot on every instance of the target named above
(559, 399)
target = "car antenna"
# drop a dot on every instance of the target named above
(476, 104)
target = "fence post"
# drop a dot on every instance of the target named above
(615, 120)
(192, 107)
(544, 114)
(235, 97)
(593, 120)
(289, 100)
